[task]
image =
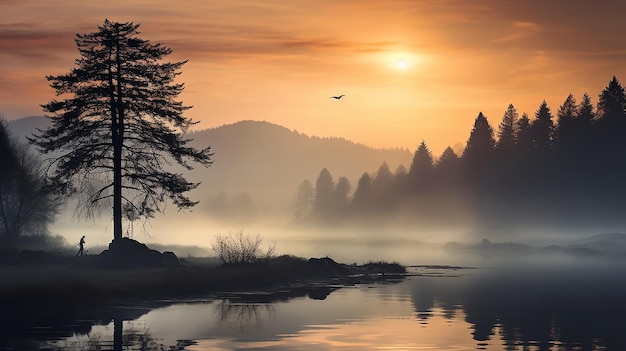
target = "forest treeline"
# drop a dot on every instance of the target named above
(559, 167)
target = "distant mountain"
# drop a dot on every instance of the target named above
(269, 161)
(607, 243)
(23, 127)
(265, 163)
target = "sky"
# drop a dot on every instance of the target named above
(411, 70)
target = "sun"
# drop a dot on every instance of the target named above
(401, 61)
(402, 65)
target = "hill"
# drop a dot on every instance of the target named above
(23, 127)
(606, 243)
(258, 165)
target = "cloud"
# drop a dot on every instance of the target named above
(25, 42)
(519, 30)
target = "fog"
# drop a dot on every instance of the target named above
(316, 197)
(360, 244)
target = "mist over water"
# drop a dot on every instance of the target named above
(360, 244)
(534, 305)
(378, 204)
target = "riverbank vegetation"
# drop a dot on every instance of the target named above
(40, 276)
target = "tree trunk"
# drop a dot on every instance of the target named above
(118, 334)
(116, 138)
(117, 187)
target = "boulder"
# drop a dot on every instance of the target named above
(129, 253)
(326, 265)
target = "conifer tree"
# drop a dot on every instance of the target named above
(478, 153)
(363, 194)
(341, 193)
(585, 132)
(585, 113)
(383, 180)
(421, 169)
(118, 124)
(305, 198)
(542, 129)
(523, 136)
(448, 169)
(565, 132)
(324, 192)
(506, 130)
(610, 138)
(611, 123)
(611, 102)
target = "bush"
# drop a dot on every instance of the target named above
(240, 248)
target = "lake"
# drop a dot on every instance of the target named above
(526, 305)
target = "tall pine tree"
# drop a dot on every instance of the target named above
(118, 124)
(478, 153)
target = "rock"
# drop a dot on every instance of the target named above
(326, 265)
(168, 258)
(129, 253)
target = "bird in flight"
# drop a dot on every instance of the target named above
(337, 97)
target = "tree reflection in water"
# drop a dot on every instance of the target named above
(136, 337)
(534, 307)
(242, 314)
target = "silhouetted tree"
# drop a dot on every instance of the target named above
(382, 186)
(341, 193)
(566, 132)
(448, 168)
(401, 171)
(27, 202)
(612, 119)
(447, 158)
(542, 130)
(305, 198)
(523, 152)
(119, 126)
(506, 131)
(478, 164)
(478, 153)
(523, 136)
(584, 134)
(363, 194)
(421, 169)
(566, 137)
(611, 103)
(384, 177)
(610, 140)
(585, 112)
(324, 193)
(505, 155)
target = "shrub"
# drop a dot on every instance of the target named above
(241, 248)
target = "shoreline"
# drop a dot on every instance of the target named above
(83, 284)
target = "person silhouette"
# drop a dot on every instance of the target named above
(81, 245)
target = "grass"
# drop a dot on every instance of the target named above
(195, 276)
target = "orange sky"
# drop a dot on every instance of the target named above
(410, 69)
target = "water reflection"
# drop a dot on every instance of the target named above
(243, 315)
(536, 307)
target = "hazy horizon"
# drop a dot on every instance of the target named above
(273, 216)
(421, 75)
(397, 63)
